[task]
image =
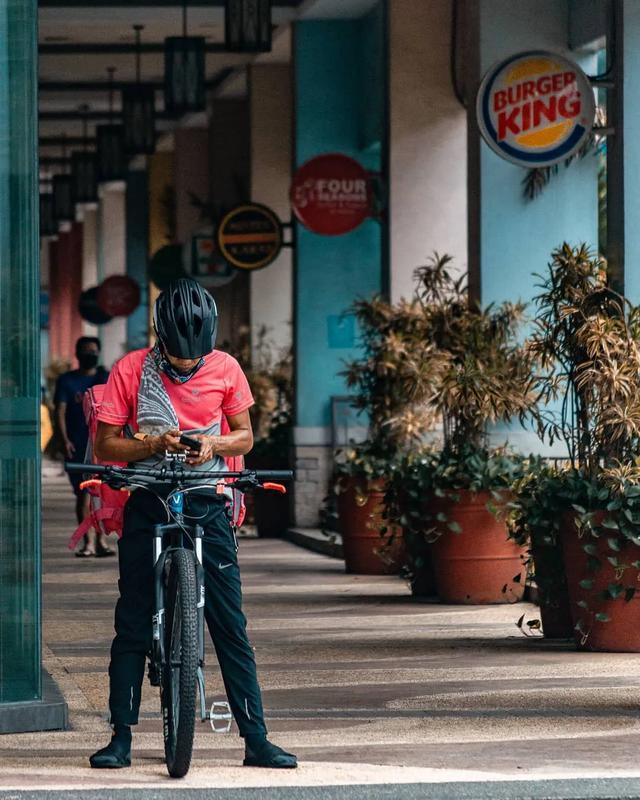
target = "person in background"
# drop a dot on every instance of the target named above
(69, 415)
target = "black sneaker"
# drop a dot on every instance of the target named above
(264, 754)
(115, 755)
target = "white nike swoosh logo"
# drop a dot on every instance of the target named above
(224, 566)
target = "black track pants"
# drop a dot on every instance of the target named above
(223, 610)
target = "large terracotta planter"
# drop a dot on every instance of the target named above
(366, 551)
(419, 563)
(551, 579)
(621, 634)
(478, 565)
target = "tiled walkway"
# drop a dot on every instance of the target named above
(365, 684)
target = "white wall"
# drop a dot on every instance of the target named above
(271, 108)
(112, 260)
(428, 189)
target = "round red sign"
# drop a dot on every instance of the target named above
(118, 296)
(331, 194)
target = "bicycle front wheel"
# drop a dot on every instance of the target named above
(178, 689)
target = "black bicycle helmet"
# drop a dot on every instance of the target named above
(185, 319)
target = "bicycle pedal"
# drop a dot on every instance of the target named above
(220, 716)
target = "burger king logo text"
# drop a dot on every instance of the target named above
(535, 109)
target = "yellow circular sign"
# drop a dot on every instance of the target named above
(250, 236)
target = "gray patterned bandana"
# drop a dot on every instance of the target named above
(155, 412)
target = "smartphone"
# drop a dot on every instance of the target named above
(191, 443)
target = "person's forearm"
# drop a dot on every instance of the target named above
(116, 448)
(236, 443)
(62, 422)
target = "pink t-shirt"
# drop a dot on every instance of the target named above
(219, 387)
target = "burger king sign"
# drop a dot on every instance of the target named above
(535, 109)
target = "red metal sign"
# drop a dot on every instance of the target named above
(118, 296)
(331, 194)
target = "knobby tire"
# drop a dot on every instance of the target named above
(178, 692)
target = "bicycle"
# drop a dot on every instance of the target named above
(176, 660)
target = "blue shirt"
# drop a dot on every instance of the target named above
(70, 389)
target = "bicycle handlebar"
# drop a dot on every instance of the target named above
(177, 473)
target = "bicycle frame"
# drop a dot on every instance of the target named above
(160, 555)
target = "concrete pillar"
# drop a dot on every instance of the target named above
(191, 160)
(112, 261)
(271, 127)
(229, 174)
(516, 235)
(427, 143)
(89, 259)
(511, 237)
(137, 203)
(339, 107)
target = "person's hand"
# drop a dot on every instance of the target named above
(169, 441)
(206, 452)
(69, 448)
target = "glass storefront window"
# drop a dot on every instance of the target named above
(19, 356)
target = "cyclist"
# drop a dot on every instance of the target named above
(180, 385)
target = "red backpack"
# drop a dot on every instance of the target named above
(106, 504)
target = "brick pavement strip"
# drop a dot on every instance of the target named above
(367, 685)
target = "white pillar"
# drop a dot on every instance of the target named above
(112, 260)
(271, 109)
(89, 258)
(428, 155)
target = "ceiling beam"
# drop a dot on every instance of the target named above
(69, 141)
(106, 86)
(90, 116)
(132, 4)
(114, 48)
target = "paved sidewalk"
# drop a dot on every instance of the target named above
(365, 684)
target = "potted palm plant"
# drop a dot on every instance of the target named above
(587, 337)
(393, 387)
(483, 376)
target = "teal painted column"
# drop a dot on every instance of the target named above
(510, 237)
(628, 138)
(515, 236)
(19, 358)
(137, 226)
(337, 64)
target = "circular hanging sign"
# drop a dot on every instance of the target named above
(202, 259)
(331, 194)
(89, 308)
(118, 295)
(535, 109)
(250, 236)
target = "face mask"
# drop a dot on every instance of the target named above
(177, 376)
(88, 360)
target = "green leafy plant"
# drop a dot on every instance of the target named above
(587, 340)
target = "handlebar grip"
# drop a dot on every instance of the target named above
(274, 474)
(97, 469)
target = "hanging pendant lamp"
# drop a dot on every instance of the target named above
(138, 111)
(111, 158)
(84, 168)
(248, 26)
(184, 71)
